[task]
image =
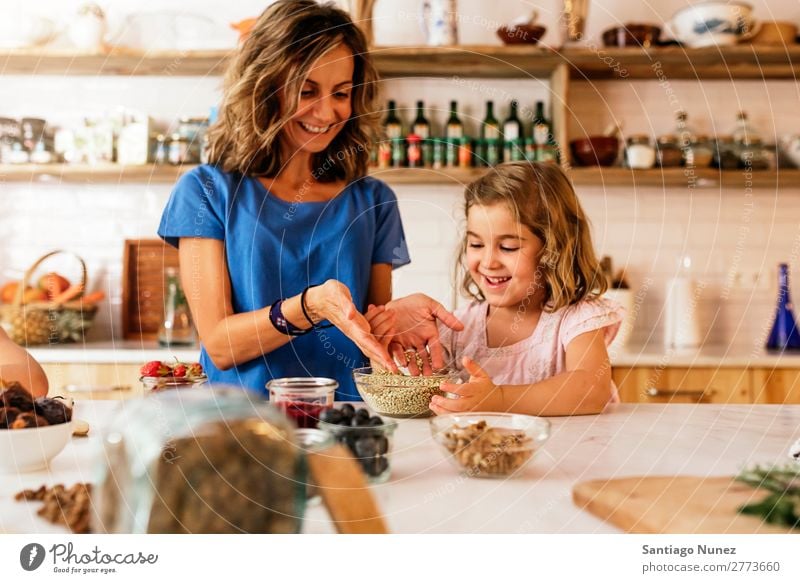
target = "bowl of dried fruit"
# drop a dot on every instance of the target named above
(400, 395)
(32, 431)
(489, 445)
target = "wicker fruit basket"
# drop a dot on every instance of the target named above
(48, 322)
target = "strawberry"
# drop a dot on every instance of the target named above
(194, 370)
(155, 368)
(179, 370)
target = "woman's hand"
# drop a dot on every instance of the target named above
(416, 330)
(477, 394)
(332, 301)
(381, 323)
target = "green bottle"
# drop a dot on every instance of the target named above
(513, 136)
(541, 130)
(421, 125)
(393, 126)
(491, 140)
(455, 129)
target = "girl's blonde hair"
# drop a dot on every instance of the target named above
(540, 196)
(277, 56)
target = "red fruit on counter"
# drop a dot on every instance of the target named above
(179, 370)
(155, 368)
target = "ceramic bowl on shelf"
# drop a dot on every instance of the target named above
(521, 34)
(489, 445)
(595, 150)
(714, 23)
(27, 450)
(632, 35)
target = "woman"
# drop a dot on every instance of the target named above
(282, 231)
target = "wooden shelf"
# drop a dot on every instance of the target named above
(592, 176)
(744, 61)
(684, 178)
(89, 174)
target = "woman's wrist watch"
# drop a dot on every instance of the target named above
(284, 326)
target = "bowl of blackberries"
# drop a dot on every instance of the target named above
(368, 437)
(32, 430)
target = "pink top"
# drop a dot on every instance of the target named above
(538, 357)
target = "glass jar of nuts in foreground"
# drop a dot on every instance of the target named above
(215, 460)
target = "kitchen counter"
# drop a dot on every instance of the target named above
(426, 495)
(134, 352)
(112, 352)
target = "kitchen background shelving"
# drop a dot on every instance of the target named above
(557, 67)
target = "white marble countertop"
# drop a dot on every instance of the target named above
(133, 352)
(426, 495)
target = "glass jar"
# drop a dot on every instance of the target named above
(214, 461)
(414, 151)
(726, 154)
(754, 156)
(177, 328)
(700, 152)
(193, 129)
(178, 151)
(639, 152)
(668, 153)
(303, 398)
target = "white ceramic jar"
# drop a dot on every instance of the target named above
(640, 153)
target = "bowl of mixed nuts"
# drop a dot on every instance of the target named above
(489, 445)
(400, 395)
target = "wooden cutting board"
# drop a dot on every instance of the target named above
(673, 505)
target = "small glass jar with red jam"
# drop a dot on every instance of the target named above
(303, 398)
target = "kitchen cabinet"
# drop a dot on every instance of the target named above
(684, 385)
(776, 385)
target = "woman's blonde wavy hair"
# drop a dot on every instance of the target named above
(540, 196)
(277, 56)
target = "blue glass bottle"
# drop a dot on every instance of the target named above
(784, 334)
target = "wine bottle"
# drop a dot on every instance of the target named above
(784, 334)
(421, 125)
(393, 126)
(513, 136)
(490, 137)
(540, 130)
(455, 129)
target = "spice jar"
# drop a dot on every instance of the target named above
(668, 153)
(414, 151)
(700, 152)
(193, 129)
(639, 152)
(754, 156)
(726, 154)
(178, 150)
(214, 460)
(303, 398)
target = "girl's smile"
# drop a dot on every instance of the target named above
(502, 255)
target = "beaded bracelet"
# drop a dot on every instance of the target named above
(281, 324)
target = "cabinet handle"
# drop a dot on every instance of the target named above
(699, 394)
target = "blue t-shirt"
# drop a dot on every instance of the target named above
(275, 249)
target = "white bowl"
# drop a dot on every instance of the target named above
(713, 23)
(26, 450)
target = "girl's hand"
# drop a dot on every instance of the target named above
(381, 321)
(332, 301)
(477, 394)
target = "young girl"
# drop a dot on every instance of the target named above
(535, 336)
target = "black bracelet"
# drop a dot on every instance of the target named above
(281, 324)
(305, 311)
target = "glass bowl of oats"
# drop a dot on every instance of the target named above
(489, 445)
(400, 395)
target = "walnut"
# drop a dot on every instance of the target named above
(15, 395)
(7, 416)
(28, 419)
